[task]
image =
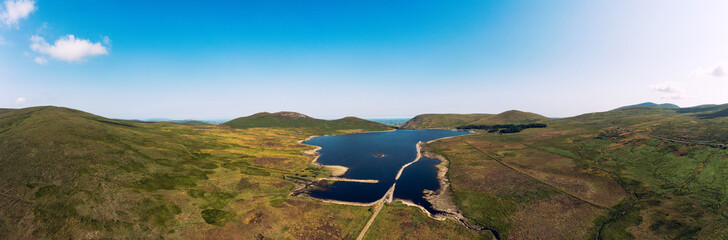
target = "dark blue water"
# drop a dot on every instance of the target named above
(415, 179)
(359, 152)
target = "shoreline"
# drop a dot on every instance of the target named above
(438, 217)
(438, 199)
(441, 199)
(338, 179)
(387, 198)
(336, 170)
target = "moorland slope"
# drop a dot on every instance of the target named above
(68, 174)
(451, 121)
(631, 173)
(305, 123)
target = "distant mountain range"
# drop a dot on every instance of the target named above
(651, 104)
(186, 121)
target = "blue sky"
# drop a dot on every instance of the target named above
(328, 59)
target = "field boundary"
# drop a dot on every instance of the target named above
(535, 178)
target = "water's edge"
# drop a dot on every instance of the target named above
(441, 200)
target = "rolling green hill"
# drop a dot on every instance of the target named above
(510, 117)
(68, 174)
(355, 123)
(631, 173)
(306, 123)
(642, 172)
(451, 121)
(442, 120)
(59, 165)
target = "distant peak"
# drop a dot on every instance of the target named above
(511, 112)
(520, 114)
(651, 104)
(290, 115)
(350, 118)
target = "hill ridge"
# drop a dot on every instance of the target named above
(451, 121)
(652, 104)
(288, 119)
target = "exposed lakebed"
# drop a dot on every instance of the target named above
(380, 156)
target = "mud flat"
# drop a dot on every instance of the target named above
(441, 199)
(336, 170)
(338, 179)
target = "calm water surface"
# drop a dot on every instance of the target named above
(359, 152)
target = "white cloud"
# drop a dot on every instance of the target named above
(667, 87)
(40, 60)
(14, 10)
(68, 48)
(719, 70)
(669, 90)
(20, 100)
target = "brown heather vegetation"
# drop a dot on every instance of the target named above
(635, 173)
(66, 174)
(399, 221)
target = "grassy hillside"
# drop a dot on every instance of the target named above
(510, 117)
(442, 120)
(632, 173)
(305, 123)
(452, 121)
(609, 175)
(67, 174)
(349, 123)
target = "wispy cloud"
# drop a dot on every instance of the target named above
(20, 101)
(68, 48)
(669, 90)
(717, 71)
(14, 10)
(106, 40)
(40, 60)
(2, 41)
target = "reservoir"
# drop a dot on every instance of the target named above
(380, 156)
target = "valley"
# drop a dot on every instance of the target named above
(637, 172)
